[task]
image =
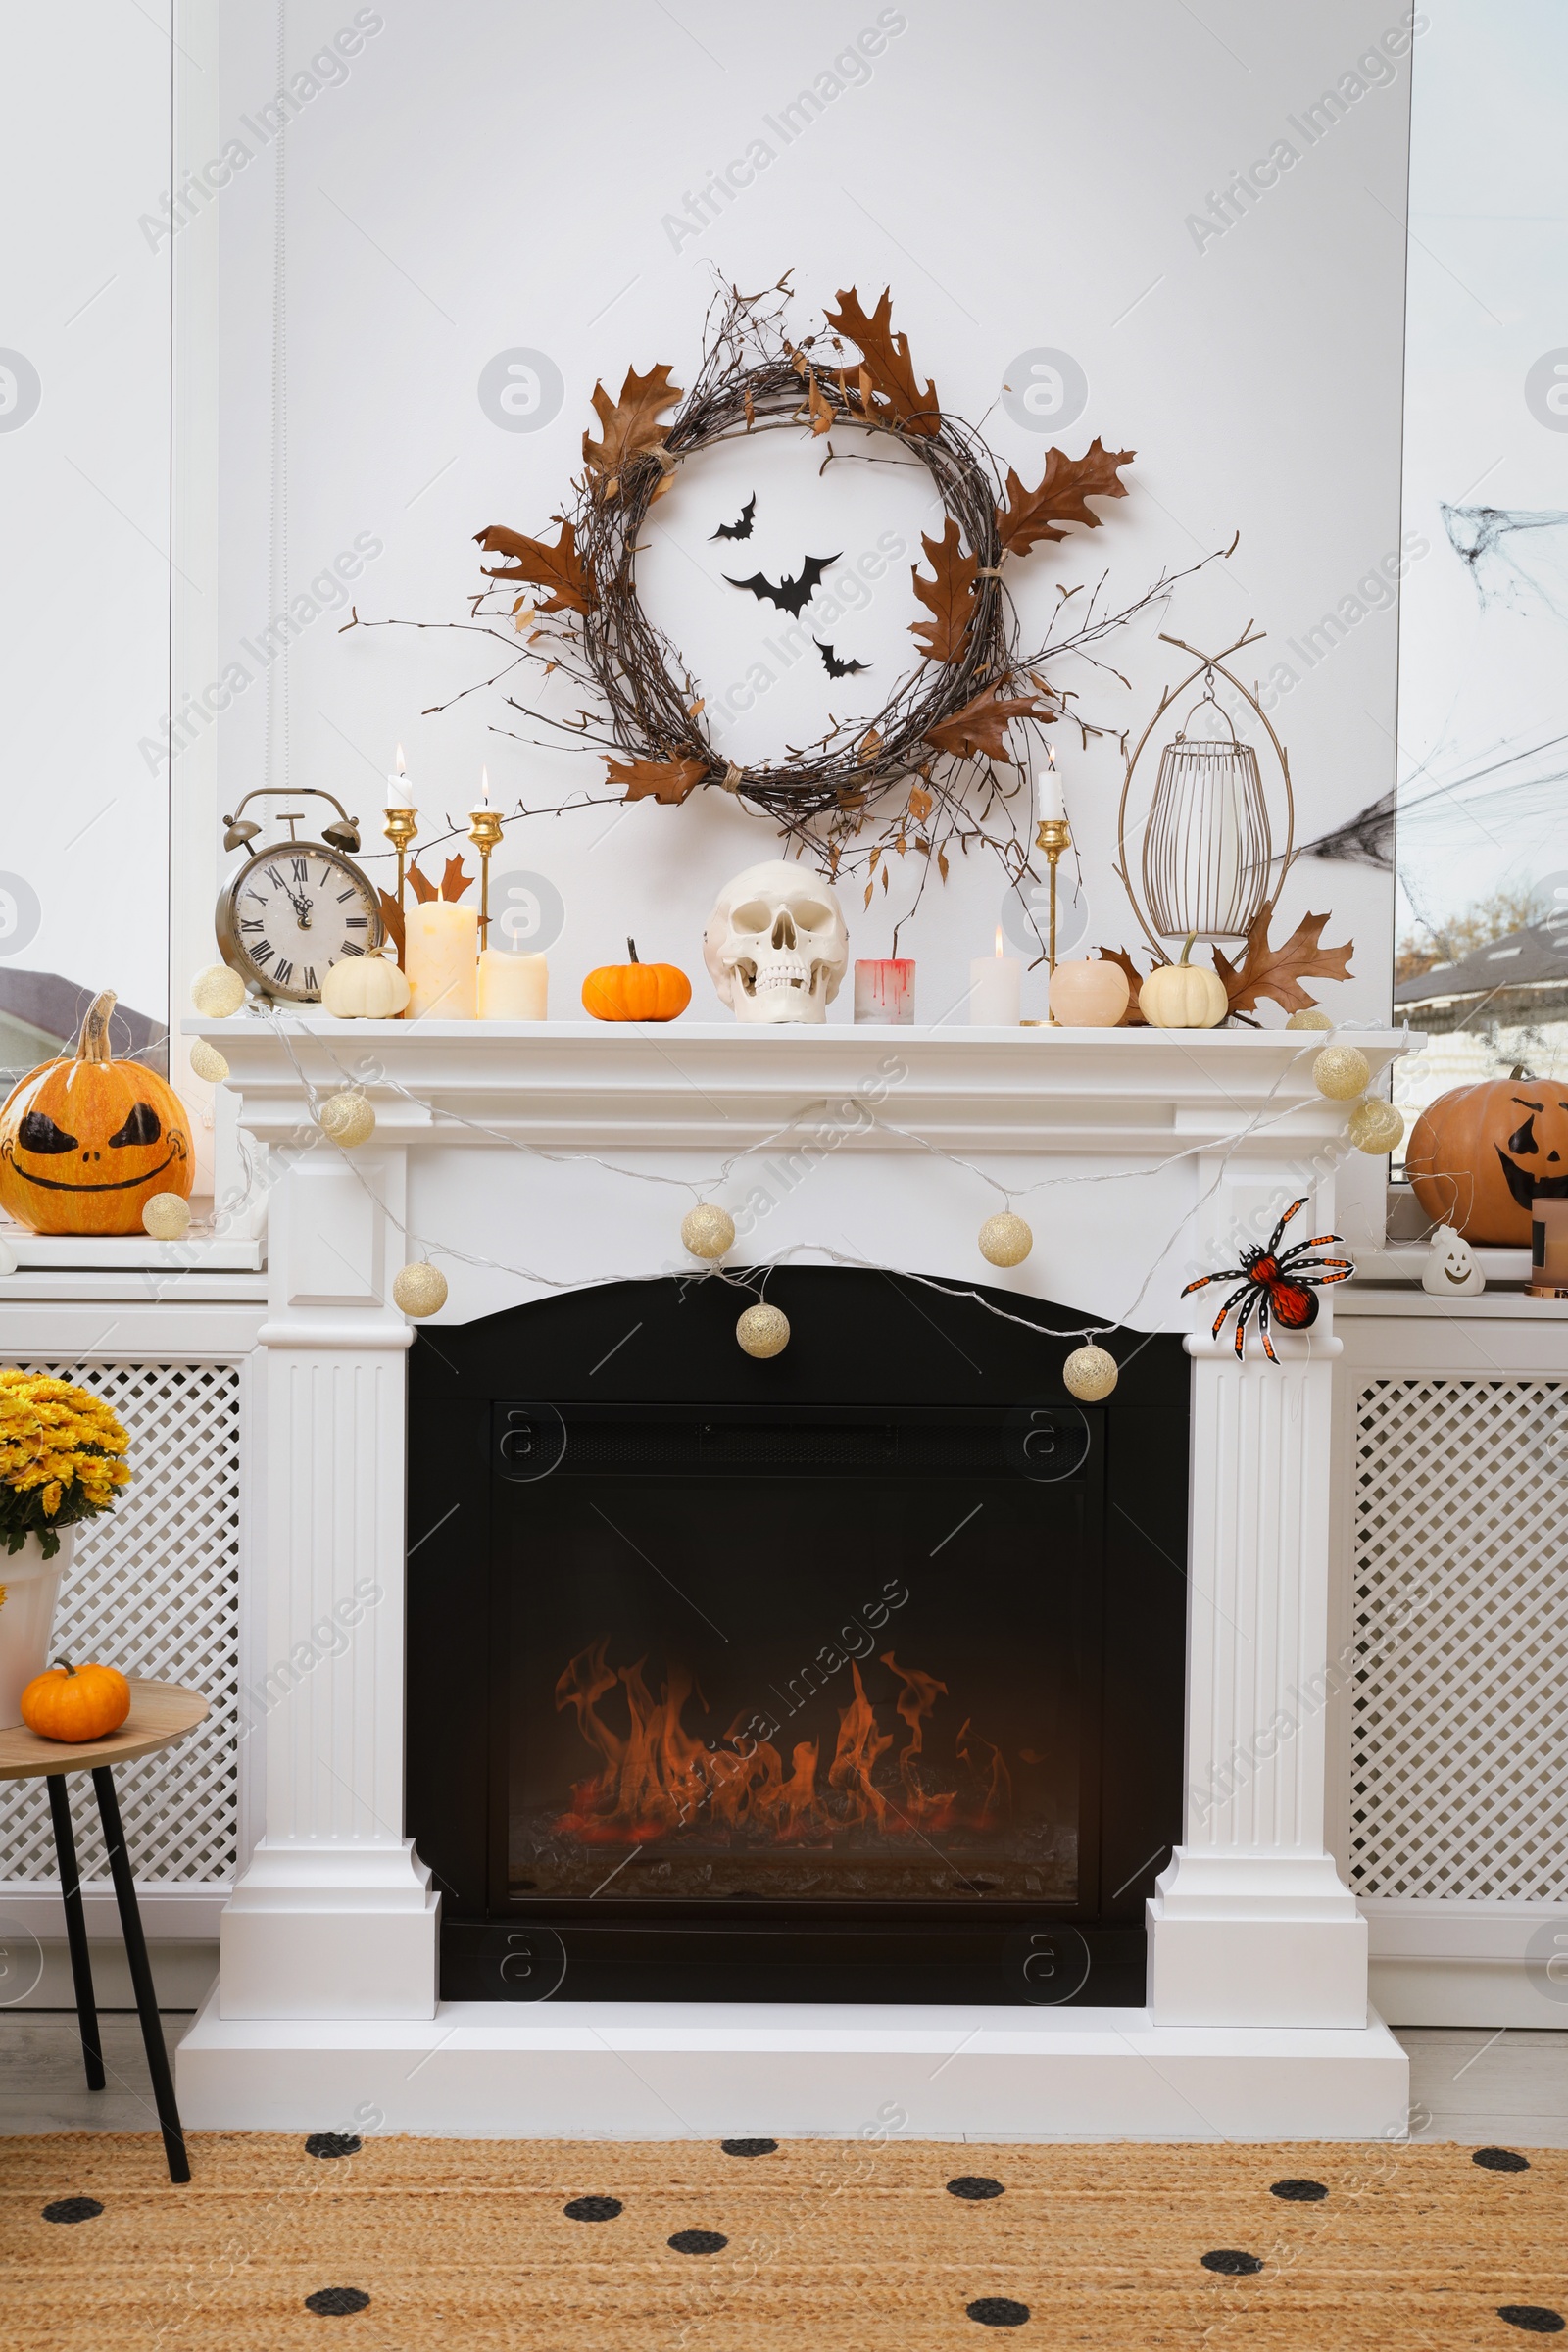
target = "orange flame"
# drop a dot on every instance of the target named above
(658, 1777)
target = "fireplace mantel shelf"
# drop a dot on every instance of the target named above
(701, 1085)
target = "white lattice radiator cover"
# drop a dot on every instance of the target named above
(155, 1590)
(1459, 1737)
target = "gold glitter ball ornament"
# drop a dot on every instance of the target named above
(166, 1217)
(347, 1118)
(419, 1289)
(1005, 1240)
(1342, 1072)
(1309, 1018)
(206, 1063)
(764, 1330)
(1090, 1373)
(218, 992)
(1375, 1126)
(708, 1229)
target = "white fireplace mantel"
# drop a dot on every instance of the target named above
(525, 1158)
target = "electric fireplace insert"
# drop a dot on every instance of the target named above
(855, 1675)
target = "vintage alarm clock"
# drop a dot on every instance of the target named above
(295, 907)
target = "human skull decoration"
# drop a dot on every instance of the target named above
(776, 944)
(1450, 1270)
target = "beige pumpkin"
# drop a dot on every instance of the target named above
(1089, 995)
(1183, 995)
(364, 988)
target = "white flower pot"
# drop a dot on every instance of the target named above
(30, 1584)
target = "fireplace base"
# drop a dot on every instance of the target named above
(662, 2070)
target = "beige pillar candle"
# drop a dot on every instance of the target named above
(513, 988)
(440, 956)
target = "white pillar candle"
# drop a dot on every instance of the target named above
(1051, 807)
(397, 785)
(884, 990)
(440, 960)
(995, 990)
(513, 988)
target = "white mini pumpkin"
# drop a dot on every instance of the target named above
(364, 988)
(1183, 995)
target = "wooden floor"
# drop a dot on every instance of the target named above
(1472, 2085)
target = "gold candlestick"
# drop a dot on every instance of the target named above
(400, 828)
(484, 831)
(1053, 837)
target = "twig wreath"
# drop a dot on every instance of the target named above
(951, 723)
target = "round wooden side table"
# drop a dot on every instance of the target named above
(160, 1714)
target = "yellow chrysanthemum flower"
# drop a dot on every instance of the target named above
(61, 1451)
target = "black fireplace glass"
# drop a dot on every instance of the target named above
(800, 1657)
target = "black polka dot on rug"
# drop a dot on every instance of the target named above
(1300, 2192)
(698, 2241)
(1231, 2261)
(336, 2302)
(73, 2209)
(333, 2143)
(975, 2188)
(1534, 2317)
(1501, 2160)
(997, 2311)
(750, 2147)
(594, 2209)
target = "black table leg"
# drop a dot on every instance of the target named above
(141, 1974)
(76, 1930)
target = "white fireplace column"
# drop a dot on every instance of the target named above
(1252, 1922)
(335, 1916)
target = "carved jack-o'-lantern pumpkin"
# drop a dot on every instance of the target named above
(86, 1141)
(1477, 1157)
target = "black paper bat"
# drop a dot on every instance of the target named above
(833, 665)
(790, 595)
(741, 529)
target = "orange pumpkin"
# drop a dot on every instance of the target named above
(1477, 1157)
(76, 1702)
(636, 992)
(86, 1141)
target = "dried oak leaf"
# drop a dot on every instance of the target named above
(558, 569)
(423, 889)
(392, 920)
(665, 780)
(979, 731)
(628, 425)
(1132, 1018)
(949, 598)
(887, 365)
(1278, 972)
(818, 405)
(456, 879)
(1032, 515)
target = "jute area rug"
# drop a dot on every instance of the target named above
(904, 2246)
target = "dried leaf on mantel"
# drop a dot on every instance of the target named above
(1278, 972)
(1132, 1018)
(456, 879)
(423, 889)
(628, 425)
(1065, 484)
(887, 365)
(558, 569)
(979, 731)
(665, 780)
(392, 920)
(949, 598)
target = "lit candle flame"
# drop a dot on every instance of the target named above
(484, 788)
(1001, 950)
(402, 770)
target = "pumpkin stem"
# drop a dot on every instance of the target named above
(93, 1043)
(64, 1666)
(631, 949)
(1188, 949)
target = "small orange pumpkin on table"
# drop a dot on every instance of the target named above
(86, 1141)
(76, 1702)
(636, 992)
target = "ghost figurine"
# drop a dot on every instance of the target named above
(776, 944)
(1450, 1270)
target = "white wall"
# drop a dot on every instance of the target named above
(486, 177)
(84, 497)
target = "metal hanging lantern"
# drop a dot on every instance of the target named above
(1209, 851)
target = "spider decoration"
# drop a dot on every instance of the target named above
(1276, 1281)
